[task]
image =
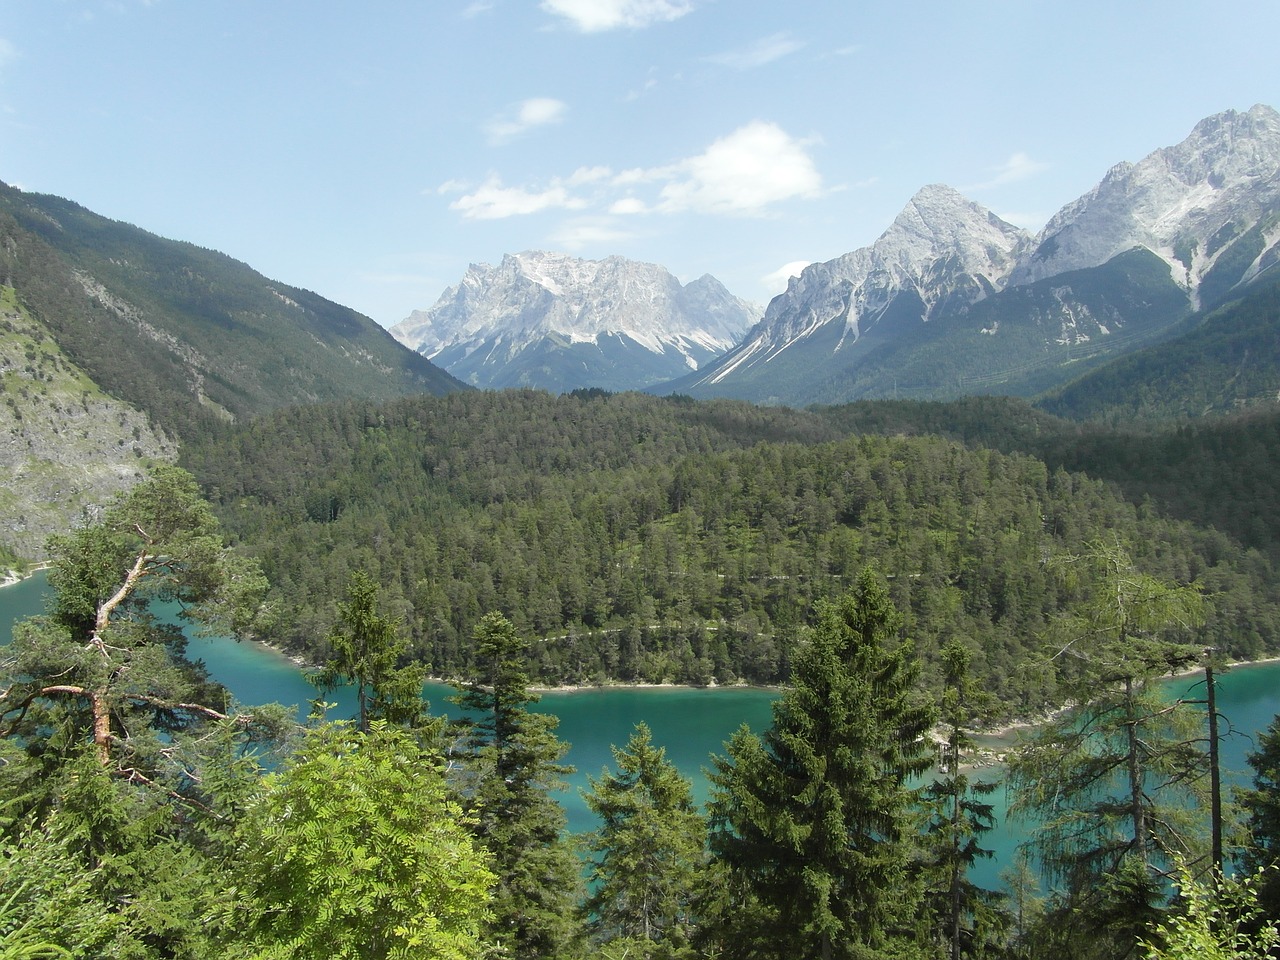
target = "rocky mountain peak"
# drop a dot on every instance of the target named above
(490, 326)
(1176, 202)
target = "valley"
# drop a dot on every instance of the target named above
(958, 479)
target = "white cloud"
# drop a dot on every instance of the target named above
(477, 8)
(584, 232)
(1019, 166)
(493, 201)
(8, 52)
(776, 282)
(759, 53)
(594, 16)
(743, 173)
(628, 206)
(585, 175)
(525, 116)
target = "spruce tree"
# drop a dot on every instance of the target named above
(968, 918)
(509, 760)
(1118, 785)
(816, 820)
(649, 850)
(1262, 851)
(365, 651)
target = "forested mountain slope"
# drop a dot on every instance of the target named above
(1221, 472)
(665, 539)
(1225, 360)
(186, 334)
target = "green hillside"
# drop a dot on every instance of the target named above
(186, 334)
(1228, 360)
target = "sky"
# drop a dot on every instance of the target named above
(372, 151)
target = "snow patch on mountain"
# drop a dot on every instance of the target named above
(943, 249)
(532, 303)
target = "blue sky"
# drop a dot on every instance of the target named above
(371, 151)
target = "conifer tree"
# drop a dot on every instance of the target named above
(815, 820)
(1262, 851)
(510, 760)
(967, 916)
(649, 847)
(1119, 785)
(118, 747)
(366, 650)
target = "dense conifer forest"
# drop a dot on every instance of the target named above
(646, 539)
(139, 820)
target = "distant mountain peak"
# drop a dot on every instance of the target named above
(556, 321)
(1183, 203)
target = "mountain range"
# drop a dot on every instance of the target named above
(117, 345)
(555, 322)
(951, 300)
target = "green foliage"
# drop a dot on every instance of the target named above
(644, 539)
(509, 761)
(1262, 802)
(47, 907)
(815, 819)
(1119, 784)
(113, 756)
(366, 651)
(101, 668)
(650, 852)
(354, 851)
(1219, 920)
(968, 919)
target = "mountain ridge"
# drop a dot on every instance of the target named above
(558, 322)
(1207, 209)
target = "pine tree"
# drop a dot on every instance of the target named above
(815, 820)
(509, 761)
(649, 847)
(118, 747)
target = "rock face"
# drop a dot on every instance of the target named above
(1187, 204)
(65, 446)
(555, 322)
(942, 254)
(951, 298)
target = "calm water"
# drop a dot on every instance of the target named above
(690, 724)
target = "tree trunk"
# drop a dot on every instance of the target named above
(1137, 810)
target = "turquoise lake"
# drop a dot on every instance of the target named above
(690, 723)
